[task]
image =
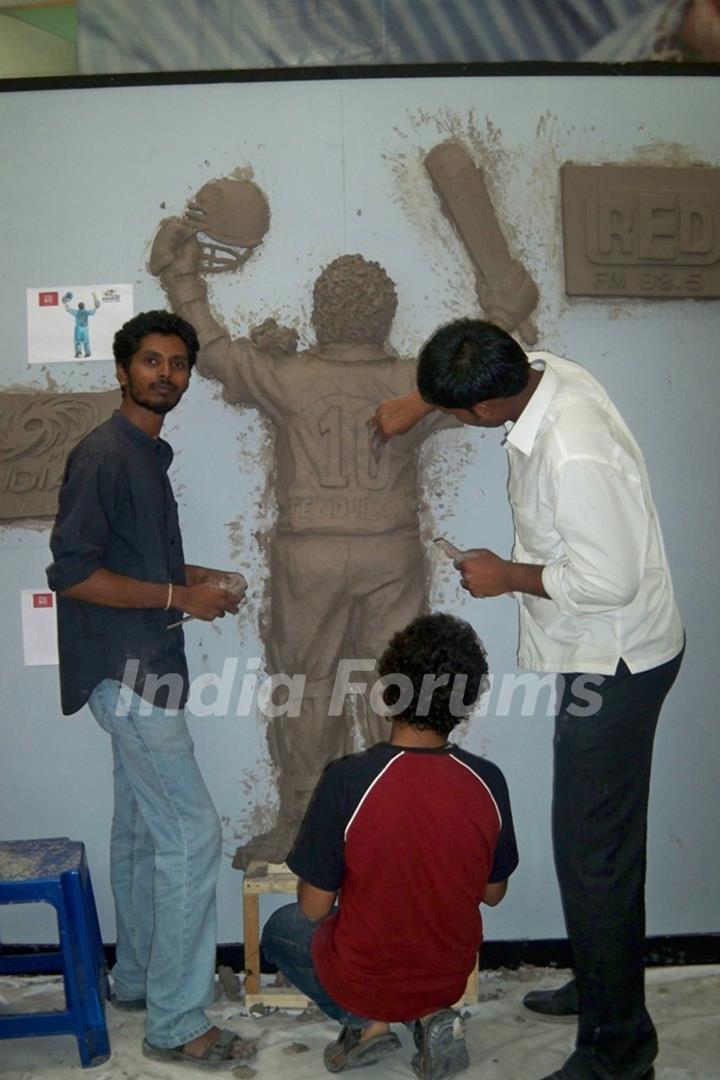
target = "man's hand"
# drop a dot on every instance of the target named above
(485, 574)
(232, 580)
(398, 415)
(223, 582)
(205, 601)
(175, 250)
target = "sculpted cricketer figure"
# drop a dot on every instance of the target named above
(346, 563)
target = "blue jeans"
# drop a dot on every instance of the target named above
(287, 943)
(164, 860)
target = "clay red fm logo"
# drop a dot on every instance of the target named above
(42, 600)
(48, 299)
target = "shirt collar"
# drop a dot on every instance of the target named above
(522, 434)
(140, 438)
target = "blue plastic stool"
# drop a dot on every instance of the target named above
(56, 871)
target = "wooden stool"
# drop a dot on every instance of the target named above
(262, 877)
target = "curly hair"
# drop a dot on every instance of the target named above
(354, 302)
(127, 339)
(432, 648)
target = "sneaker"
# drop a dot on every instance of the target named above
(440, 1040)
(349, 1051)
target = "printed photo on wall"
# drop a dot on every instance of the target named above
(39, 631)
(67, 323)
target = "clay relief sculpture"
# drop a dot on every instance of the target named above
(346, 562)
(37, 432)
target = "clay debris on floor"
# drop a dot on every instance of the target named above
(505, 1042)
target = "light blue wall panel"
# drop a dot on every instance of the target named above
(89, 173)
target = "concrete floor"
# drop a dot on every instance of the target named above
(505, 1042)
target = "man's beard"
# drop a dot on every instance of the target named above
(160, 408)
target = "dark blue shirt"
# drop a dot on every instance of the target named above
(117, 512)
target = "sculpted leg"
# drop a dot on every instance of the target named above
(394, 575)
(310, 611)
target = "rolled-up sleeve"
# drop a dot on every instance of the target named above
(602, 520)
(87, 503)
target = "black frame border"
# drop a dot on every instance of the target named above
(525, 68)
(676, 950)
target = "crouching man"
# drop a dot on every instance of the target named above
(414, 834)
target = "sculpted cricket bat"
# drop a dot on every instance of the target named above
(506, 291)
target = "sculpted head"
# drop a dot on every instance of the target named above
(354, 302)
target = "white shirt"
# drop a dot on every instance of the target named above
(583, 509)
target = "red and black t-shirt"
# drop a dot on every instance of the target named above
(411, 837)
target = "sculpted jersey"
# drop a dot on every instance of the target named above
(327, 479)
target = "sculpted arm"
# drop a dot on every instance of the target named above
(219, 231)
(176, 259)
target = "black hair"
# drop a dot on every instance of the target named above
(435, 645)
(127, 339)
(469, 361)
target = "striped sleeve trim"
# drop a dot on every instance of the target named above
(480, 781)
(369, 789)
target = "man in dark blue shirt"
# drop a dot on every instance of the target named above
(122, 580)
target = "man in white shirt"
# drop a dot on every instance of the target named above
(589, 570)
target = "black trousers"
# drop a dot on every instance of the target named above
(599, 820)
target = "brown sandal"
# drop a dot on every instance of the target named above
(218, 1055)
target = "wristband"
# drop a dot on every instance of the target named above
(169, 597)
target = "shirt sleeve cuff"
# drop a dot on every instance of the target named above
(71, 571)
(552, 581)
(311, 876)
